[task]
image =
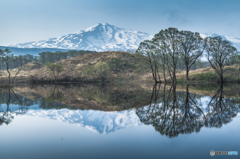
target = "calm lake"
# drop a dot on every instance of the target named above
(121, 121)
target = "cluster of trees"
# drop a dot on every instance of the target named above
(9, 61)
(43, 58)
(175, 49)
(7, 58)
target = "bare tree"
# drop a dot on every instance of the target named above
(5, 55)
(162, 52)
(218, 51)
(169, 41)
(102, 69)
(148, 48)
(55, 68)
(19, 69)
(191, 48)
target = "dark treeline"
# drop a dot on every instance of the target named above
(43, 58)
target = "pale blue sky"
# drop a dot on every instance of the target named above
(30, 20)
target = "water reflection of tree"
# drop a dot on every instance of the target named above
(220, 110)
(173, 113)
(6, 115)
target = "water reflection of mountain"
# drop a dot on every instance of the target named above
(107, 109)
(173, 113)
(80, 105)
(98, 121)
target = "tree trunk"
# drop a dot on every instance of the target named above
(238, 74)
(9, 74)
(187, 99)
(164, 76)
(174, 75)
(221, 78)
(187, 73)
(102, 79)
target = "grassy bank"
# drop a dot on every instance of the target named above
(209, 75)
(5, 86)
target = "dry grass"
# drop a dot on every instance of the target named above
(209, 75)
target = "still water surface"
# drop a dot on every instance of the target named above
(127, 121)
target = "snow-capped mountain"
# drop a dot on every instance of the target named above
(104, 37)
(100, 37)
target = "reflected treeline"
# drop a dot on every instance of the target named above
(221, 110)
(96, 97)
(173, 113)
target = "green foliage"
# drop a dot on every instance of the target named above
(102, 69)
(55, 69)
(88, 70)
(235, 59)
(6, 86)
(116, 64)
(119, 78)
(101, 66)
(210, 76)
(54, 98)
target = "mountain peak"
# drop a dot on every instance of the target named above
(99, 26)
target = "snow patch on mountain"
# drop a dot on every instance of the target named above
(233, 40)
(100, 37)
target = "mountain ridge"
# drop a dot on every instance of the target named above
(104, 37)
